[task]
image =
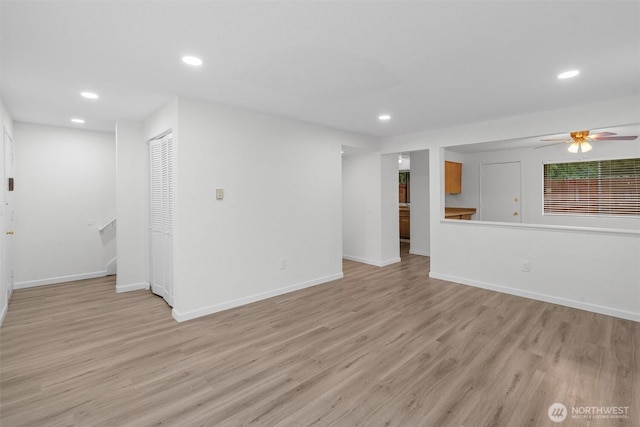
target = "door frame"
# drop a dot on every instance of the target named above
(8, 211)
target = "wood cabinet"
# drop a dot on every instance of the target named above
(405, 224)
(452, 177)
(402, 193)
(459, 213)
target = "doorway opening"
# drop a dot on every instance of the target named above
(413, 203)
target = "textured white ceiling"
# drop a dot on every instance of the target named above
(340, 64)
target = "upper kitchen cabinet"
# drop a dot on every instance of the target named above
(452, 177)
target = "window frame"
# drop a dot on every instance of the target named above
(581, 214)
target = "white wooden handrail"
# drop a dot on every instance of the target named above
(110, 222)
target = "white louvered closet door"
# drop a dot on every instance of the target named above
(161, 236)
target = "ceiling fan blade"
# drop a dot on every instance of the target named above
(616, 138)
(556, 139)
(549, 145)
(600, 134)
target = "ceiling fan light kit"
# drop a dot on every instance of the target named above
(579, 147)
(580, 144)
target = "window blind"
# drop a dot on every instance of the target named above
(603, 187)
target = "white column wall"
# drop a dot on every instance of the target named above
(282, 208)
(370, 208)
(390, 220)
(132, 206)
(361, 208)
(419, 211)
(6, 124)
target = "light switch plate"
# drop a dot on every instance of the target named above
(219, 193)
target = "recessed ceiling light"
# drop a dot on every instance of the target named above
(77, 120)
(384, 117)
(89, 95)
(568, 74)
(192, 60)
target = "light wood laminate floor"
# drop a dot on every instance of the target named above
(383, 346)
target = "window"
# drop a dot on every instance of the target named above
(404, 181)
(604, 187)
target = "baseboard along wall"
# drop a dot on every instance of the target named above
(60, 279)
(188, 315)
(372, 262)
(132, 287)
(581, 305)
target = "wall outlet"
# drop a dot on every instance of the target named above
(525, 266)
(283, 263)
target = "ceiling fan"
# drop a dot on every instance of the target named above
(580, 140)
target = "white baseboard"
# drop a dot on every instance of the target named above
(419, 252)
(182, 316)
(3, 312)
(370, 261)
(132, 287)
(61, 279)
(595, 308)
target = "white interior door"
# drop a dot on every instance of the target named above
(161, 221)
(9, 213)
(500, 192)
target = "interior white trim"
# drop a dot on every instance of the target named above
(181, 317)
(132, 287)
(417, 252)
(372, 262)
(544, 227)
(3, 312)
(107, 224)
(60, 279)
(623, 314)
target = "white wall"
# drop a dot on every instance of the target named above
(605, 279)
(365, 232)
(164, 119)
(284, 203)
(405, 163)
(6, 124)
(419, 211)
(390, 243)
(361, 208)
(5, 118)
(132, 206)
(64, 191)
(591, 270)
